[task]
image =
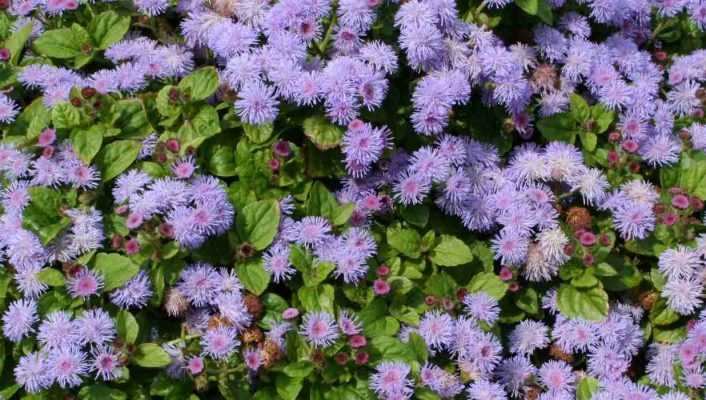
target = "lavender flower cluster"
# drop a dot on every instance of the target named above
(328, 199)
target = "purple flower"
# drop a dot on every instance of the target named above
(348, 323)
(528, 336)
(58, 331)
(513, 372)
(681, 262)
(67, 365)
(411, 188)
(443, 383)
(198, 283)
(312, 231)
(379, 55)
(135, 293)
(106, 363)
(634, 220)
(390, 380)
(184, 168)
(252, 359)
(482, 307)
(8, 109)
(485, 390)
(232, 307)
(95, 326)
(510, 247)
(219, 343)
(32, 372)
(152, 7)
(684, 295)
(437, 329)
(319, 329)
(276, 262)
(85, 284)
(660, 367)
(256, 104)
(18, 319)
(557, 376)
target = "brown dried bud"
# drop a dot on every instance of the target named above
(270, 353)
(253, 305)
(252, 335)
(556, 352)
(545, 78)
(579, 218)
(648, 299)
(175, 304)
(532, 392)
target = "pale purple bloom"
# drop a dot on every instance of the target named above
(219, 343)
(198, 283)
(485, 390)
(684, 295)
(67, 365)
(437, 329)
(312, 231)
(557, 376)
(319, 329)
(85, 284)
(32, 372)
(528, 336)
(106, 363)
(58, 331)
(95, 326)
(276, 262)
(256, 104)
(134, 294)
(391, 379)
(482, 307)
(18, 319)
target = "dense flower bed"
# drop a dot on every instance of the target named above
(353, 199)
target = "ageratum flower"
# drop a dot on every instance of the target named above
(134, 294)
(319, 329)
(32, 372)
(391, 379)
(67, 365)
(18, 319)
(219, 343)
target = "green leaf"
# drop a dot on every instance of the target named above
(200, 127)
(544, 12)
(579, 108)
(257, 223)
(16, 42)
(417, 215)
(51, 277)
(258, 134)
(589, 140)
(201, 83)
(32, 120)
(116, 157)
(60, 43)
(603, 117)
(299, 369)
(585, 279)
(692, 173)
(317, 298)
(317, 273)
(489, 283)
(87, 142)
(406, 241)
(151, 355)
(164, 104)
(528, 301)
(115, 269)
(253, 276)
(108, 28)
(342, 214)
(288, 388)
(586, 388)
(65, 116)
(127, 326)
(605, 270)
(320, 201)
(590, 304)
(661, 314)
(669, 335)
(419, 347)
(131, 118)
(482, 253)
(451, 251)
(101, 392)
(558, 127)
(43, 215)
(322, 133)
(531, 7)
(392, 349)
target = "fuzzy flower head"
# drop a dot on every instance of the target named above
(319, 329)
(391, 379)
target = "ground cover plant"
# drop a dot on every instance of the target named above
(352, 199)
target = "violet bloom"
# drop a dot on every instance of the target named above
(85, 284)
(257, 103)
(219, 343)
(195, 365)
(67, 365)
(18, 319)
(391, 379)
(319, 329)
(437, 329)
(32, 372)
(106, 363)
